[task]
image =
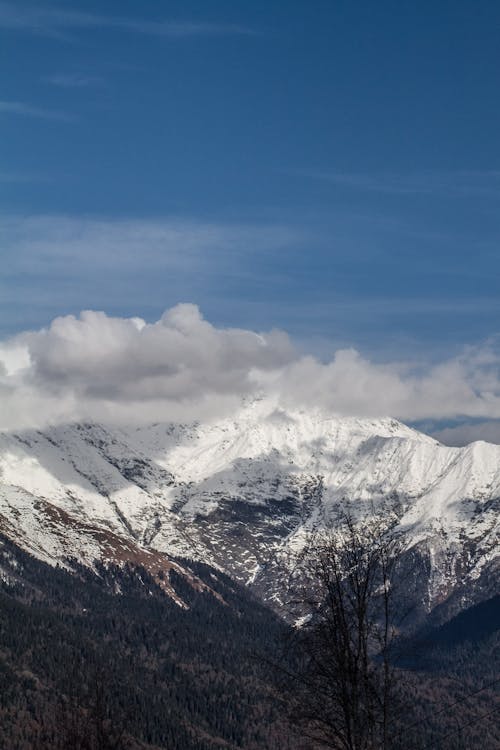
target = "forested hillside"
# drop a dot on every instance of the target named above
(106, 660)
(452, 678)
(79, 660)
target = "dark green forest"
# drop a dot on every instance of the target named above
(105, 660)
(74, 654)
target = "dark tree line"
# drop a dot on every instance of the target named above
(83, 668)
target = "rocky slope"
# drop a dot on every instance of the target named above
(243, 492)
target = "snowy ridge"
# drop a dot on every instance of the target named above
(240, 493)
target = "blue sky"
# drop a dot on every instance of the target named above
(330, 168)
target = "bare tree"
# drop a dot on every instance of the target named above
(344, 687)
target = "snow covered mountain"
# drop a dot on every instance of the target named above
(241, 493)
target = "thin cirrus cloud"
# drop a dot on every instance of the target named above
(56, 21)
(182, 367)
(58, 263)
(55, 263)
(463, 434)
(73, 80)
(24, 109)
(55, 243)
(453, 183)
(22, 177)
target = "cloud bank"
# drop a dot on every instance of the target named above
(182, 367)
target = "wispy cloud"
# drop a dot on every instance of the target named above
(29, 110)
(54, 263)
(53, 243)
(56, 21)
(468, 432)
(459, 182)
(21, 177)
(73, 80)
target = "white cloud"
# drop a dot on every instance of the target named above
(350, 384)
(182, 367)
(124, 368)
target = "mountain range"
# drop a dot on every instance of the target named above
(244, 493)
